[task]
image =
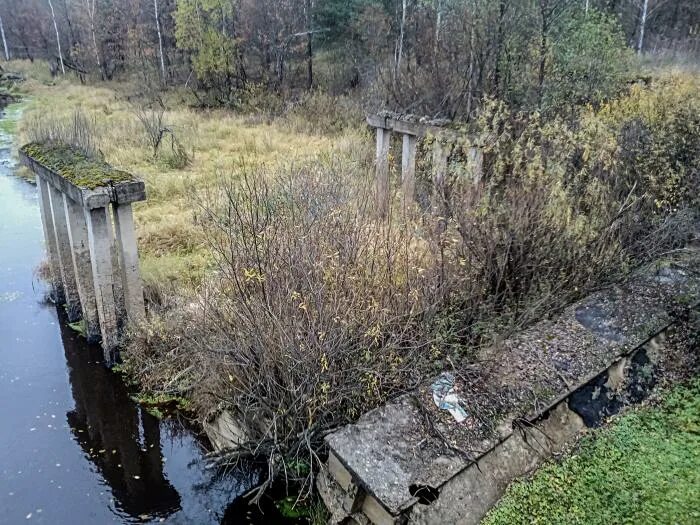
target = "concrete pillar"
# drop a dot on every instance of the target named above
(100, 242)
(65, 256)
(408, 167)
(129, 261)
(78, 231)
(476, 162)
(116, 265)
(441, 153)
(50, 238)
(383, 143)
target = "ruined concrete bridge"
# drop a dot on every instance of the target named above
(411, 129)
(88, 226)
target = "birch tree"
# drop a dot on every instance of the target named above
(398, 55)
(642, 24)
(308, 12)
(646, 10)
(4, 40)
(160, 40)
(58, 38)
(438, 26)
(91, 9)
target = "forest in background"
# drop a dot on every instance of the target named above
(434, 57)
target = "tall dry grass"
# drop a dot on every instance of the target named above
(173, 252)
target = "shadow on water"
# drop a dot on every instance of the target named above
(125, 444)
(123, 441)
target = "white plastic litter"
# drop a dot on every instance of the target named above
(446, 398)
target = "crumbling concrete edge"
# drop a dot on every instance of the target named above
(470, 493)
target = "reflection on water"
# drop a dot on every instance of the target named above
(120, 439)
(74, 448)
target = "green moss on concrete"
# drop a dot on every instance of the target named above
(75, 166)
(644, 469)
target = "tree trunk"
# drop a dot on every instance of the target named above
(497, 76)
(97, 51)
(438, 27)
(543, 50)
(90, 6)
(308, 7)
(470, 81)
(73, 39)
(58, 38)
(160, 41)
(4, 41)
(399, 45)
(642, 25)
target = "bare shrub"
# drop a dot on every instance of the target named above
(153, 125)
(157, 132)
(549, 223)
(316, 313)
(318, 112)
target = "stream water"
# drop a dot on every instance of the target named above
(74, 448)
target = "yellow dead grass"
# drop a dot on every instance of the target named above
(218, 141)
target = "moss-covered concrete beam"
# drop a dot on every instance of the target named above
(89, 182)
(414, 129)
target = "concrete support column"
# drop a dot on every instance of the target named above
(476, 162)
(116, 265)
(129, 261)
(50, 238)
(408, 167)
(441, 153)
(100, 242)
(78, 230)
(383, 143)
(65, 256)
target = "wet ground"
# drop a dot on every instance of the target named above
(74, 448)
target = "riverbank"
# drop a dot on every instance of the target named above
(293, 308)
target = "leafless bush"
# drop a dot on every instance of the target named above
(80, 130)
(153, 125)
(316, 313)
(319, 312)
(157, 131)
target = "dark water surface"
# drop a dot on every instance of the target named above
(74, 448)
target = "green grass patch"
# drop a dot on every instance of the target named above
(643, 469)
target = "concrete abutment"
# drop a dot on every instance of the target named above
(411, 461)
